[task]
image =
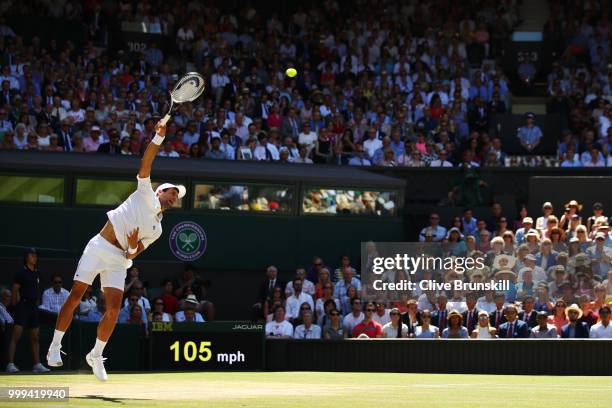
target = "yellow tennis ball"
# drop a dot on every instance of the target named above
(291, 72)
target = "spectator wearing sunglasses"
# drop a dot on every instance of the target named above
(368, 325)
(426, 330)
(124, 313)
(547, 210)
(333, 329)
(483, 329)
(158, 307)
(54, 297)
(455, 328)
(395, 328)
(438, 232)
(354, 318)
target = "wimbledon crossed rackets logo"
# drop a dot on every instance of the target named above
(187, 241)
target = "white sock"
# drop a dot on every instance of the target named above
(57, 338)
(98, 348)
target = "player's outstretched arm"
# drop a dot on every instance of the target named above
(151, 151)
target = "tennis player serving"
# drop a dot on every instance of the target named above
(130, 229)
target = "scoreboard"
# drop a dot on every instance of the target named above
(207, 346)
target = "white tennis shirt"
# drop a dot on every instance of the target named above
(141, 209)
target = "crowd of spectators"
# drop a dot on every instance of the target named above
(559, 273)
(579, 85)
(379, 83)
(180, 300)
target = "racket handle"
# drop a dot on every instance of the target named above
(165, 119)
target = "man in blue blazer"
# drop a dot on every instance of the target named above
(574, 329)
(513, 328)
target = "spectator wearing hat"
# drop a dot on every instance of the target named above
(438, 231)
(543, 330)
(189, 314)
(597, 212)
(603, 329)
(558, 277)
(530, 134)
(483, 329)
(520, 233)
(574, 329)
(600, 256)
(513, 327)
(532, 242)
(538, 273)
(455, 328)
(547, 210)
(571, 208)
(588, 315)
(25, 294)
(572, 228)
(92, 142)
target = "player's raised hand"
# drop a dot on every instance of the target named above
(132, 238)
(160, 129)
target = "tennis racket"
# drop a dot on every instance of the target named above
(187, 89)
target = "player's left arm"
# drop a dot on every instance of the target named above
(133, 242)
(151, 151)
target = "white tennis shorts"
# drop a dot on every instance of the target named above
(103, 258)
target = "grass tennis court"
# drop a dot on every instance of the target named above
(321, 389)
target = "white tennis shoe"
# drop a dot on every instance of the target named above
(39, 368)
(97, 365)
(11, 368)
(54, 357)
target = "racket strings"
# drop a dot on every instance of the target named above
(188, 89)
